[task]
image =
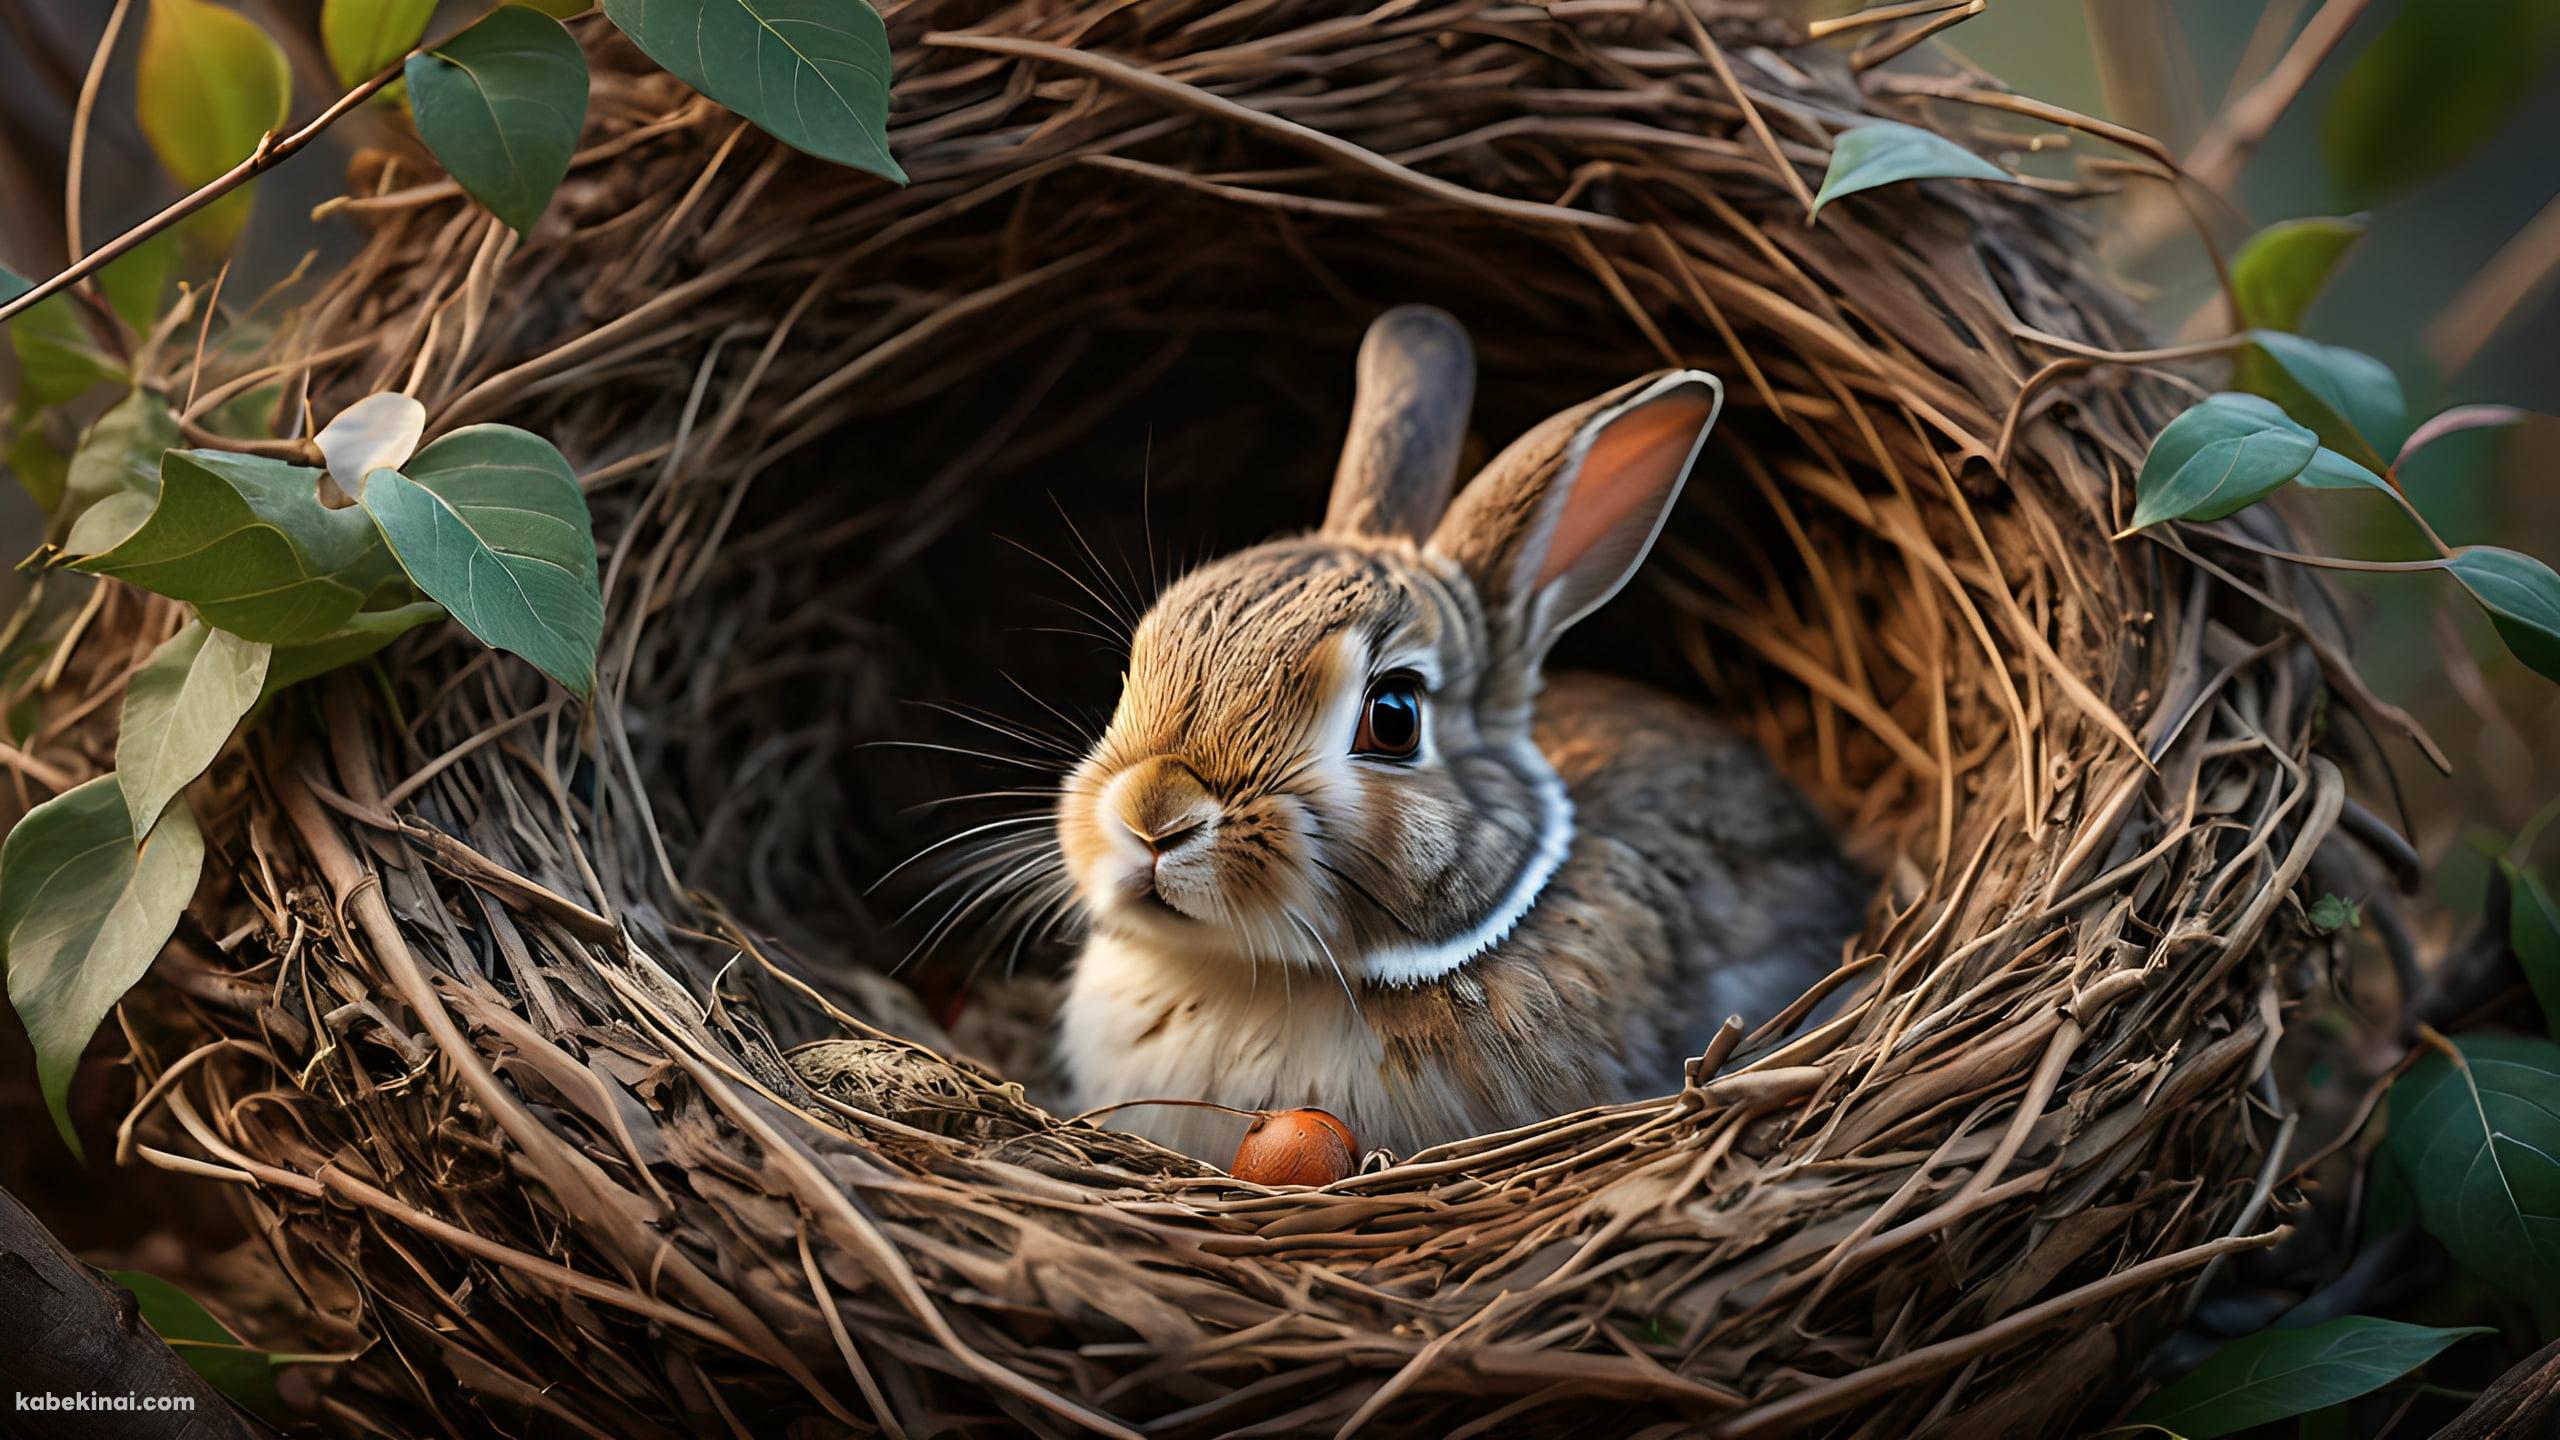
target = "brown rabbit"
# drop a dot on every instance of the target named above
(1344, 845)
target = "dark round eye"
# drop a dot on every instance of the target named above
(1391, 718)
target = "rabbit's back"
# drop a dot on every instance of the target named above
(1689, 841)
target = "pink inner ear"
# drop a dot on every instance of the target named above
(1630, 465)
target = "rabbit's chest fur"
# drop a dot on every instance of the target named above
(1699, 884)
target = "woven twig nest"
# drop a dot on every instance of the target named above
(498, 1012)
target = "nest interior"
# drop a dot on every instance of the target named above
(549, 1047)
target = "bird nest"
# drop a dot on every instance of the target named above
(556, 1052)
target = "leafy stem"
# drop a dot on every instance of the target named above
(271, 151)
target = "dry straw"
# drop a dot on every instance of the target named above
(496, 1014)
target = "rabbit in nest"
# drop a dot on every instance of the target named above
(1344, 844)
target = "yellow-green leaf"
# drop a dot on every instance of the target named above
(2283, 267)
(364, 36)
(179, 710)
(208, 87)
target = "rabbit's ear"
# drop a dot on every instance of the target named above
(1560, 520)
(1417, 379)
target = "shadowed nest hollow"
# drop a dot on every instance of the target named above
(554, 1050)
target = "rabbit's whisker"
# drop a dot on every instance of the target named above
(1123, 623)
(1329, 957)
(1010, 822)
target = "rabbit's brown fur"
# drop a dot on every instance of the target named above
(1563, 889)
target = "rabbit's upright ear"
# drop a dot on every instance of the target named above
(1416, 381)
(1560, 520)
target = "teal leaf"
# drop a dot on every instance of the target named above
(363, 635)
(2431, 89)
(813, 74)
(247, 542)
(2275, 1374)
(2330, 470)
(83, 911)
(13, 284)
(1882, 152)
(489, 521)
(501, 105)
(179, 710)
(2219, 457)
(2284, 267)
(2522, 597)
(2533, 928)
(2479, 1144)
(2349, 399)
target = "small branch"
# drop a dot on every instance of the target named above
(80, 117)
(2244, 124)
(271, 152)
(2501, 290)
(2334, 562)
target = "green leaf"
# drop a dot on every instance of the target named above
(137, 285)
(119, 456)
(179, 710)
(1882, 152)
(2221, 456)
(2533, 928)
(39, 465)
(813, 74)
(2522, 597)
(500, 105)
(58, 358)
(247, 542)
(490, 522)
(208, 87)
(82, 913)
(359, 638)
(246, 1374)
(2329, 914)
(2479, 1144)
(2351, 400)
(2278, 1373)
(364, 36)
(2283, 267)
(2431, 89)
(107, 524)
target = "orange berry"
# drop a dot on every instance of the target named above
(1295, 1147)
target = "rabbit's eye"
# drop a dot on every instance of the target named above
(1391, 718)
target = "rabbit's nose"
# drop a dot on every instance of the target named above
(1162, 804)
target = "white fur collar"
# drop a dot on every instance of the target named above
(1422, 964)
